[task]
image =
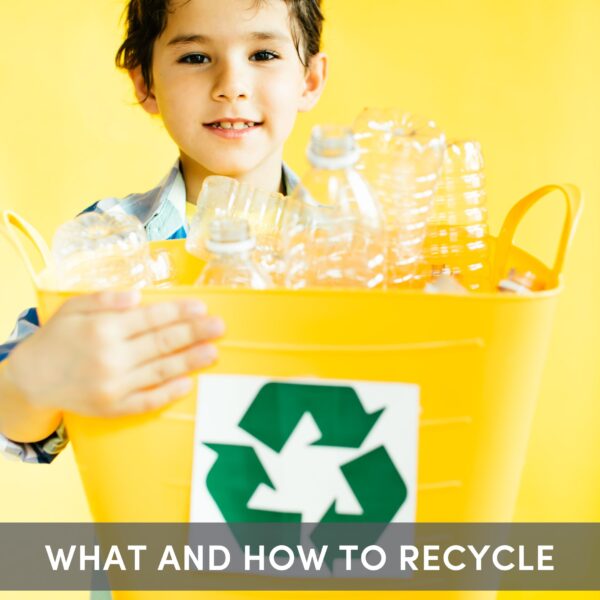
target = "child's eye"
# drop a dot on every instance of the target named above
(264, 55)
(194, 59)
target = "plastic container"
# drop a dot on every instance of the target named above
(457, 229)
(230, 263)
(333, 225)
(477, 358)
(401, 158)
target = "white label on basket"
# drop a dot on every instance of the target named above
(304, 449)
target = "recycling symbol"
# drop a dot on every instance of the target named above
(271, 418)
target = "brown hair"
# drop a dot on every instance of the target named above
(146, 20)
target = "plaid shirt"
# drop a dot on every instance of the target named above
(162, 211)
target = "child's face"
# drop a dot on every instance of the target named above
(241, 67)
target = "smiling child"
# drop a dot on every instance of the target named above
(228, 79)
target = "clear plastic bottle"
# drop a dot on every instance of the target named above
(401, 158)
(457, 232)
(230, 264)
(97, 251)
(163, 269)
(333, 225)
(217, 200)
(226, 198)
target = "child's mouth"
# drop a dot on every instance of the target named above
(235, 125)
(232, 129)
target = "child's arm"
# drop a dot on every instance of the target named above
(103, 354)
(20, 421)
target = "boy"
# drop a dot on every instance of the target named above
(228, 79)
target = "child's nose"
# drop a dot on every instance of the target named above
(231, 84)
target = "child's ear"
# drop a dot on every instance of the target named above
(314, 82)
(147, 100)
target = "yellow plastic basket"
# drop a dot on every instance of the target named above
(477, 358)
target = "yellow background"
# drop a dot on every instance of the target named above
(521, 76)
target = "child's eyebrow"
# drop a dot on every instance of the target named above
(198, 38)
(188, 39)
(269, 35)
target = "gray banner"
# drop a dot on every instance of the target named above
(293, 556)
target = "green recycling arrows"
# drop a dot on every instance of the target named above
(271, 418)
(337, 411)
(367, 475)
(233, 479)
(377, 486)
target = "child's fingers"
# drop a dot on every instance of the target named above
(101, 301)
(173, 338)
(146, 400)
(155, 316)
(157, 372)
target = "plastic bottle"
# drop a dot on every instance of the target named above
(226, 198)
(519, 282)
(97, 251)
(217, 200)
(163, 269)
(457, 230)
(333, 225)
(401, 158)
(230, 264)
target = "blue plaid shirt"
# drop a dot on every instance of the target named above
(162, 211)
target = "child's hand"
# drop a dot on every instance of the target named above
(103, 354)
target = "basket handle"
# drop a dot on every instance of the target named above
(12, 223)
(574, 203)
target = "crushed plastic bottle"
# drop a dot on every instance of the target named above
(97, 251)
(445, 283)
(333, 226)
(457, 231)
(401, 158)
(518, 282)
(162, 269)
(226, 198)
(230, 264)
